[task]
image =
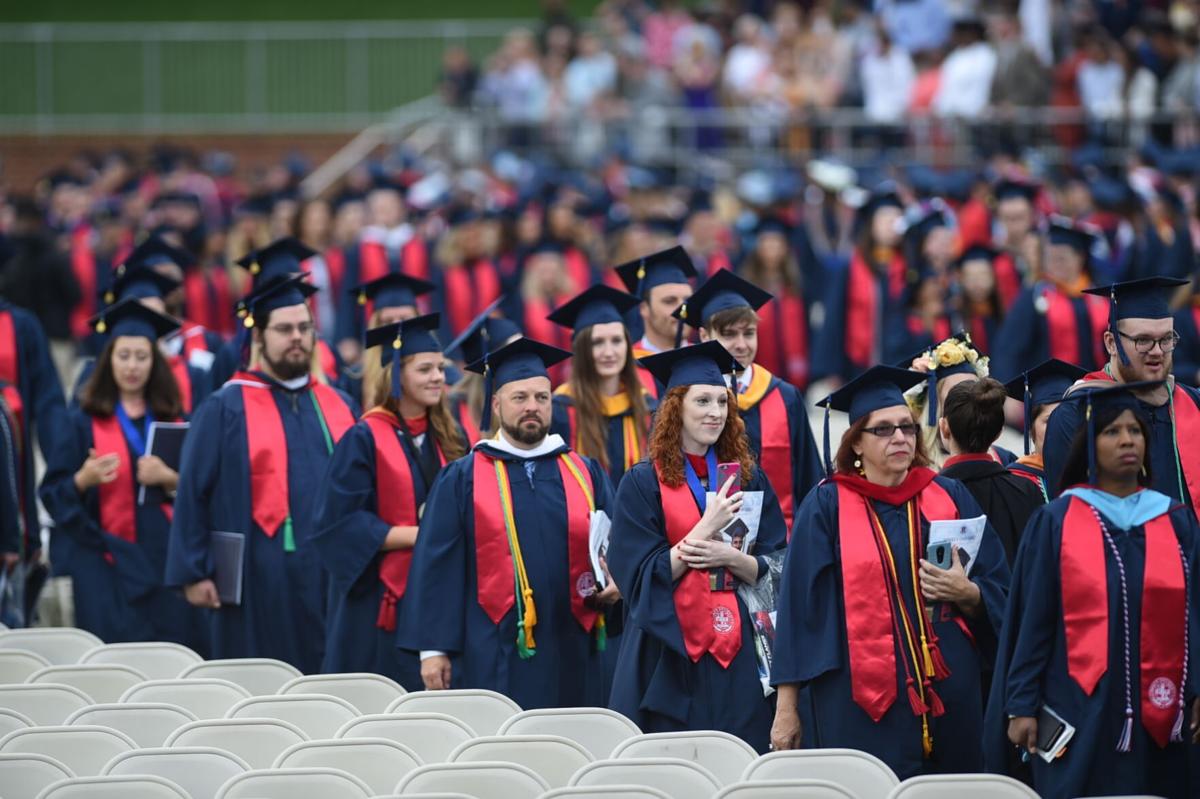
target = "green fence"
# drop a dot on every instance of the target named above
(223, 77)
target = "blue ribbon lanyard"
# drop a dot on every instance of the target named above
(134, 436)
(693, 479)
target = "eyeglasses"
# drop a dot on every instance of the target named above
(1143, 344)
(304, 328)
(888, 430)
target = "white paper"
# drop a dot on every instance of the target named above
(966, 534)
(750, 515)
(598, 528)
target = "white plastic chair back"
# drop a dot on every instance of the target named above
(316, 715)
(103, 683)
(199, 770)
(679, 779)
(12, 720)
(26, 776)
(60, 646)
(147, 723)
(369, 693)
(553, 758)
(480, 780)
(259, 676)
(378, 762)
(158, 660)
(785, 789)
(433, 736)
(257, 741)
(953, 786)
(598, 729)
(143, 787)
(725, 755)
(18, 665)
(204, 699)
(860, 773)
(84, 750)
(299, 783)
(482, 711)
(606, 792)
(44, 705)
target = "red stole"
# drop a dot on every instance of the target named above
(335, 262)
(327, 360)
(10, 371)
(710, 621)
(783, 337)
(396, 501)
(207, 298)
(1008, 280)
(118, 515)
(578, 268)
(539, 328)
(267, 446)
(647, 381)
(372, 261)
(474, 286)
(469, 425)
(83, 266)
(775, 438)
(414, 258)
(1062, 325)
(864, 308)
(1085, 613)
(979, 333)
(870, 638)
(495, 582)
(179, 370)
(718, 261)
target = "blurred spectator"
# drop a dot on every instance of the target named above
(888, 78)
(1021, 79)
(591, 75)
(458, 78)
(916, 25)
(967, 72)
(514, 83)
(747, 60)
(659, 29)
(1101, 78)
(1182, 89)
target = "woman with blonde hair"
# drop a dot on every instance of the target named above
(384, 301)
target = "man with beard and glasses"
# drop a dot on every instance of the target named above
(501, 591)
(1141, 341)
(248, 486)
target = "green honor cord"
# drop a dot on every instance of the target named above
(289, 535)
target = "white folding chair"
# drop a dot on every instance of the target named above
(43, 704)
(433, 736)
(26, 776)
(199, 770)
(785, 789)
(12, 720)
(553, 758)
(369, 693)
(378, 762)
(18, 665)
(860, 773)
(60, 646)
(725, 755)
(598, 729)
(481, 780)
(295, 783)
(606, 792)
(142, 787)
(259, 676)
(316, 715)
(204, 699)
(482, 711)
(257, 741)
(84, 750)
(158, 660)
(953, 786)
(147, 723)
(103, 683)
(679, 779)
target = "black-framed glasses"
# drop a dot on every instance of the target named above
(1144, 344)
(285, 330)
(888, 430)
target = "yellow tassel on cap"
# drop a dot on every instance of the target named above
(248, 321)
(396, 343)
(255, 268)
(109, 297)
(362, 298)
(101, 326)
(641, 273)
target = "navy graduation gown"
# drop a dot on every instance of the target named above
(811, 647)
(657, 684)
(1027, 335)
(348, 538)
(118, 585)
(282, 614)
(1186, 358)
(441, 609)
(615, 440)
(1031, 669)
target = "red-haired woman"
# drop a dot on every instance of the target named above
(688, 658)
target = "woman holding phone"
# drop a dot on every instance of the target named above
(688, 659)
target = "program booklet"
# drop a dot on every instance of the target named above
(165, 440)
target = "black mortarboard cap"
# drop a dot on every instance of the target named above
(596, 305)
(668, 266)
(1044, 384)
(877, 388)
(280, 257)
(517, 360)
(722, 291)
(696, 365)
(130, 318)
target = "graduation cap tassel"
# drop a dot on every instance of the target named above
(485, 420)
(1028, 417)
(828, 462)
(931, 397)
(396, 390)
(641, 280)
(1112, 316)
(1091, 439)
(602, 634)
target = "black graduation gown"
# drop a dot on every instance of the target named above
(657, 684)
(1031, 669)
(1007, 499)
(441, 609)
(811, 648)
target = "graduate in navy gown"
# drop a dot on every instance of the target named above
(1187, 354)
(772, 410)
(486, 333)
(875, 646)
(976, 303)
(252, 465)
(1039, 390)
(662, 281)
(383, 301)
(501, 577)
(372, 497)
(118, 545)
(1141, 344)
(688, 660)
(1101, 627)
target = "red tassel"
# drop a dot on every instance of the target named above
(940, 670)
(935, 702)
(387, 612)
(914, 700)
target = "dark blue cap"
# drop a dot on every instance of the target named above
(697, 365)
(276, 292)
(140, 282)
(1009, 188)
(394, 290)
(280, 257)
(408, 337)
(669, 266)
(882, 196)
(1147, 298)
(936, 215)
(154, 251)
(130, 318)
(594, 306)
(1044, 384)
(1102, 395)
(517, 360)
(772, 224)
(877, 388)
(978, 252)
(1064, 232)
(486, 333)
(961, 367)
(722, 291)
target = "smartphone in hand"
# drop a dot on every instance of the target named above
(724, 472)
(940, 555)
